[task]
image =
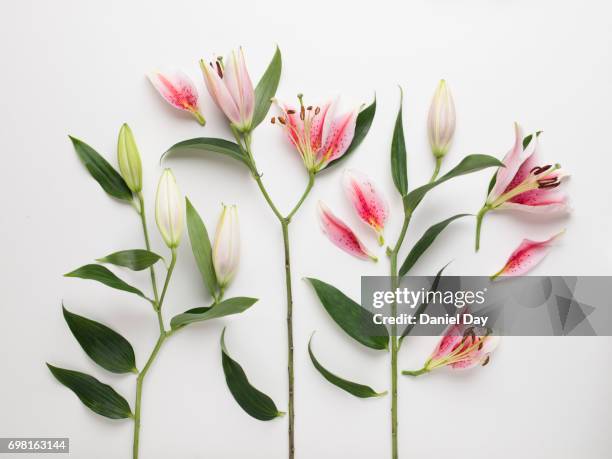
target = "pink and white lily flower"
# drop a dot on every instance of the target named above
(460, 348)
(318, 134)
(525, 183)
(178, 90)
(526, 256)
(231, 88)
(370, 205)
(341, 235)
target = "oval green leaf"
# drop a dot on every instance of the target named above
(266, 88)
(98, 397)
(425, 241)
(362, 127)
(399, 170)
(135, 259)
(353, 388)
(350, 316)
(254, 402)
(469, 164)
(103, 345)
(211, 144)
(109, 179)
(201, 248)
(105, 276)
(225, 308)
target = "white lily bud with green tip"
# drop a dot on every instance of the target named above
(226, 249)
(169, 210)
(129, 159)
(441, 120)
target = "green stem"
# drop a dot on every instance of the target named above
(394, 339)
(420, 372)
(437, 169)
(199, 117)
(284, 221)
(481, 213)
(145, 230)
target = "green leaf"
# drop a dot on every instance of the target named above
(528, 138)
(105, 276)
(98, 397)
(421, 309)
(469, 164)
(362, 127)
(398, 153)
(106, 347)
(201, 248)
(136, 259)
(108, 178)
(266, 88)
(211, 144)
(426, 240)
(356, 389)
(350, 316)
(254, 402)
(492, 183)
(225, 308)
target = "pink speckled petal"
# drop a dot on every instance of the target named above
(219, 93)
(176, 88)
(317, 126)
(370, 205)
(528, 254)
(541, 201)
(341, 235)
(451, 339)
(340, 136)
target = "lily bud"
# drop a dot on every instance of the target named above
(226, 249)
(169, 212)
(129, 159)
(441, 120)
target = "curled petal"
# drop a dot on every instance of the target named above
(528, 254)
(368, 202)
(178, 90)
(341, 235)
(220, 93)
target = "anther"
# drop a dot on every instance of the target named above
(281, 120)
(539, 169)
(219, 68)
(317, 110)
(273, 120)
(486, 360)
(291, 112)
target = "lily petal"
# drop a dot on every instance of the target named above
(339, 137)
(219, 92)
(178, 90)
(239, 86)
(370, 205)
(341, 235)
(528, 254)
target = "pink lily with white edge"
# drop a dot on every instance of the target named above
(460, 348)
(525, 183)
(318, 134)
(370, 205)
(178, 90)
(231, 88)
(341, 235)
(526, 256)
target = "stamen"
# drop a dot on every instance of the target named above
(219, 68)
(273, 120)
(487, 359)
(554, 184)
(309, 108)
(317, 110)
(282, 120)
(539, 169)
(302, 113)
(290, 112)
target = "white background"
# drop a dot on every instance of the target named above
(73, 67)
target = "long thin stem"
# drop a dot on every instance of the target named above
(437, 169)
(145, 230)
(479, 217)
(284, 221)
(394, 339)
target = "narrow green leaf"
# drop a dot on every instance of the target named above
(421, 309)
(353, 388)
(350, 316)
(426, 240)
(210, 144)
(98, 397)
(362, 127)
(201, 248)
(105, 346)
(109, 179)
(254, 402)
(492, 183)
(104, 275)
(225, 308)
(528, 138)
(266, 88)
(136, 259)
(399, 170)
(469, 164)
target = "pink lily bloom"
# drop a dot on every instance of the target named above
(370, 205)
(318, 134)
(460, 348)
(231, 88)
(341, 235)
(525, 183)
(526, 256)
(178, 90)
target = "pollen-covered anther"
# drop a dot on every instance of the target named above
(273, 120)
(549, 183)
(282, 120)
(540, 169)
(317, 110)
